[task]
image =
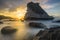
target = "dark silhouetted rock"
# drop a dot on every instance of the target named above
(5, 17)
(37, 25)
(35, 12)
(22, 20)
(1, 22)
(48, 34)
(55, 27)
(57, 21)
(11, 20)
(8, 30)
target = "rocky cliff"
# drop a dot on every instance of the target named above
(35, 12)
(48, 34)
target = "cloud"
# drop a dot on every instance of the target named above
(47, 6)
(53, 1)
(52, 6)
(11, 5)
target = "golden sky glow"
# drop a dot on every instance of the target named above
(18, 13)
(21, 12)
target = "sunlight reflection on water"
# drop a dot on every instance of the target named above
(23, 31)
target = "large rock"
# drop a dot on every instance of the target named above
(48, 34)
(8, 30)
(37, 25)
(35, 12)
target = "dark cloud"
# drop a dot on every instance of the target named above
(12, 4)
(2, 4)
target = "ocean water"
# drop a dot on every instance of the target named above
(24, 32)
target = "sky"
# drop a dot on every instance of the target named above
(18, 7)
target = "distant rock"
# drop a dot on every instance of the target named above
(35, 12)
(8, 30)
(56, 21)
(11, 20)
(22, 20)
(55, 26)
(48, 34)
(5, 17)
(37, 25)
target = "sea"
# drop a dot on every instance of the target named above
(24, 31)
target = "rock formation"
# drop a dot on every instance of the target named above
(8, 30)
(48, 34)
(35, 12)
(5, 17)
(37, 25)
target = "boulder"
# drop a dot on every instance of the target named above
(35, 12)
(48, 34)
(8, 30)
(37, 25)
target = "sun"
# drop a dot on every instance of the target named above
(20, 13)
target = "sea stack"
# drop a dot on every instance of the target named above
(35, 12)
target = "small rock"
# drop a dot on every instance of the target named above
(8, 30)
